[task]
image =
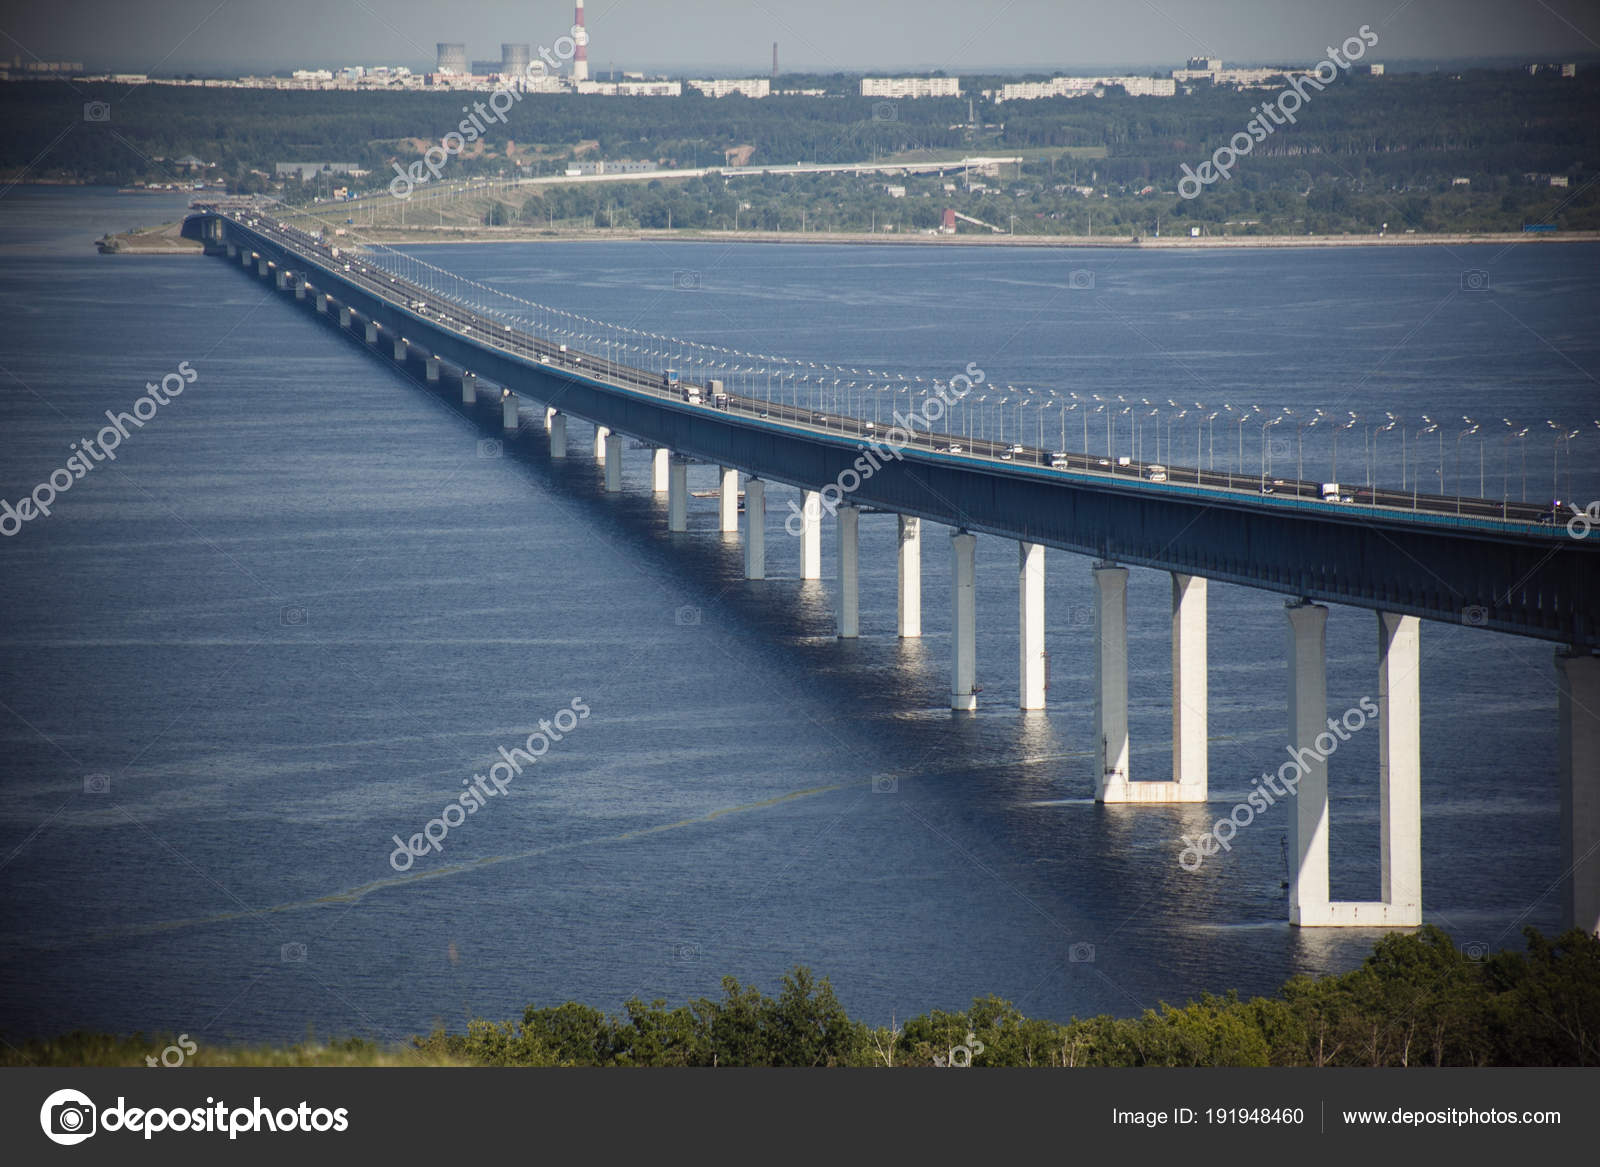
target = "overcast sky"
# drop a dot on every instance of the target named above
(229, 36)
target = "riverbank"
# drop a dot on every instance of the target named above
(163, 240)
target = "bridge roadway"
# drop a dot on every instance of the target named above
(1482, 563)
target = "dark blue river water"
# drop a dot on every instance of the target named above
(302, 608)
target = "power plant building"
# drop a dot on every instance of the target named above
(514, 59)
(452, 59)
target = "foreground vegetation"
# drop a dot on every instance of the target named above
(1416, 1001)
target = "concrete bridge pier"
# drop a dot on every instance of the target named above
(909, 607)
(810, 535)
(601, 433)
(728, 499)
(1578, 711)
(372, 332)
(613, 463)
(300, 287)
(849, 565)
(262, 266)
(755, 529)
(469, 388)
(280, 280)
(246, 257)
(1111, 683)
(658, 469)
(431, 370)
(1314, 736)
(1030, 608)
(233, 251)
(1190, 681)
(322, 304)
(345, 317)
(963, 621)
(558, 436)
(508, 411)
(549, 417)
(401, 349)
(678, 494)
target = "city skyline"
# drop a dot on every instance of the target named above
(165, 37)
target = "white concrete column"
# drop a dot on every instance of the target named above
(345, 317)
(508, 411)
(601, 433)
(300, 288)
(549, 417)
(558, 436)
(755, 528)
(431, 369)
(811, 535)
(469, 388)
(322, 304)
(1030, 621)
(658, 469)
(1111, 681)
(401, 349)
(246, 257)
(1308, 716)
(678, 494)
(849, 564)
(1400, 766)
(613, 462)
(728, 499)
(372, 332)
(1578, 716)
(909, 618)
(262, 266)
(1190, 681)
(280, 280)
(963, 621)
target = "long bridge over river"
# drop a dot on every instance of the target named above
(1406, 556)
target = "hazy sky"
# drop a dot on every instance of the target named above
(228, 36)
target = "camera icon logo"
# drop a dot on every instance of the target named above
(96, 111)
(885, 111)
(687, 615)
(1475, 280)
(1475, 950)
(1278, 448)
(688, 953)
(1082, 616)
(1080, 279)
(293, 952)
(686, 281)
(885, 784)
(489, 448)
(1081, 953)
(292, 617)
(1475, 615)
(97, 783)
(68, 1117)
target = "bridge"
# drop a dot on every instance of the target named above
(1405, 556)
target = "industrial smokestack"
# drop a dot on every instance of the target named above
(774, 60)
(580, 60)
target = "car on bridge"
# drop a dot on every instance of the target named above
(1059, 461)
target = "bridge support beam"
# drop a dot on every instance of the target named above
(280, 280)
(300, 288)
(613, 460)
(728, 499)
(246, 257)
(1578, 711)
(755, 528)
(322, 304)
(262, 267)
(372, 332)
(849, 566)
(346, 317)
(658, 469)
(909, 614)
(1400, 766)
(508, 411)
(1030, 610)
(233, 251)
(601, 433)
(558, 436)
(469, 388)
(678, 494)
(1308, 710)
(401, 349)
(1190, 692)
(963, 621)
(549, 418)
(431, 370)
(811, 535)
(1111, 684)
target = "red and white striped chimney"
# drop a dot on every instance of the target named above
(580, 60)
